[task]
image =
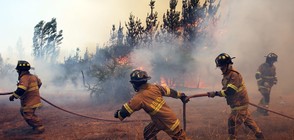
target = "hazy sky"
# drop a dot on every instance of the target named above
(85, 23)
(252, 29)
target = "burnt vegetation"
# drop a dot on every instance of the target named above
(105, 72)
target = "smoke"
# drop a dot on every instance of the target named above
(254, 29)
(250, 30)
(247, 30)
(55, 89)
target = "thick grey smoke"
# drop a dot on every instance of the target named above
(255, 28)
(56, 90)
(247, 30)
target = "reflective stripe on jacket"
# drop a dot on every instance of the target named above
(267, 74)
(150, 98)
(30, 83)
(234, 80)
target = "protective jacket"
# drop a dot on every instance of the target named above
(266, 73)
(150, 98)
(234, 90)
(28, 90)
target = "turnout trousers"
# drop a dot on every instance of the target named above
(151, 130)
(239, 117)
(32, 119)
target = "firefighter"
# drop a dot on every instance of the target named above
(266, 78)
(28, 92)
(235, 92)
(150, 98)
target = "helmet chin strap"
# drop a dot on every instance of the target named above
(228, 67)
(270, 63)
(136, 87)
(19, 72)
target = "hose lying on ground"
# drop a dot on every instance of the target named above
(205, 94)
(99, 119)
(77, 114)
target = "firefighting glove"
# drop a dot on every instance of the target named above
(184, 98)
(116, 114)
(11, 98)
(212, 94)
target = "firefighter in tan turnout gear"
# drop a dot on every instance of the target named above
(28, 92)
(150, 98)
(235, 92)
(266, 78)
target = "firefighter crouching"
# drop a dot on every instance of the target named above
(235, 92)
(28, 92)
(149, 97)
(266, 78)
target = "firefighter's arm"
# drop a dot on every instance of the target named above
(17, 94)
(39, 82)
(121, 114)
(21, 87)
(259, 75)
(173, 93)
(228, 92)
(166, 91)
(259, 78)
(234, 85)
(275, 81)
(127, 109)
(222, 93)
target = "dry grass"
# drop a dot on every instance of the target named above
(206, 120)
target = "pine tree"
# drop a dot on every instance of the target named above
(135, 31)
(86, 56)
(151, 25)
(192, 18)
(171, 20)
(120, 35)
(47, 41)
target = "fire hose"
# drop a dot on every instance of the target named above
(184, 110)
(205, 95)
(77, 114)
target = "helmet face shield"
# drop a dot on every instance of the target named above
(139, 76)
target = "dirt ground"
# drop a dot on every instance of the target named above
(206, 120)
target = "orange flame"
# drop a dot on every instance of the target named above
(123, 60)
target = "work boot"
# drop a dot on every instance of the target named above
(38, 130)
(260, 110)
(232, 137)
(265, 113)
(259, 136)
